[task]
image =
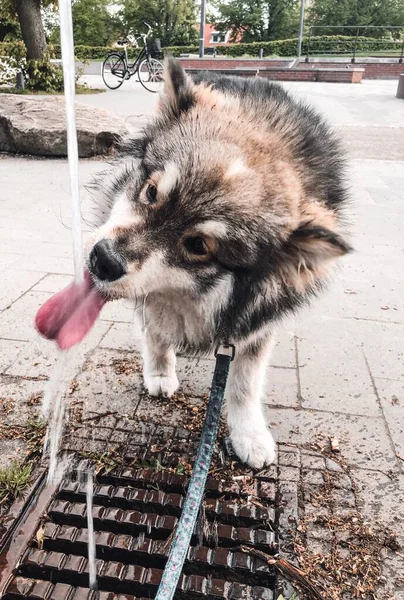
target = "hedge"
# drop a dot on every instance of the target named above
(336, 44)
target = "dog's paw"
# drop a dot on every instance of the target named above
(161, 385)
(255, 448)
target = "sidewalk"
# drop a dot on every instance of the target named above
(337, 369)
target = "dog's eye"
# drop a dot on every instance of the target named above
(151, 193)
(196, 245)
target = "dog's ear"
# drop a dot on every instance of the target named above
(178, 94)
(308, 253)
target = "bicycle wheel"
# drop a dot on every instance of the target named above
(113, 71)
(150, 73)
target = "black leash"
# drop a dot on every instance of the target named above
(186, 524)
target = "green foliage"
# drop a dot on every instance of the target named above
(39, 75)
(13, 481)
(258, 20)
(93, 24)
(43, 75)
(173, 21)
(355, 13)
(84, 53)
(9, 29)
(318, 44)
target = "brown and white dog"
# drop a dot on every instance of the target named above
(221, 216)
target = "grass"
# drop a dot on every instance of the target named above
(13, 481)
(15, 478)
(34, 434)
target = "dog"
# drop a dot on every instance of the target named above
(225, 213)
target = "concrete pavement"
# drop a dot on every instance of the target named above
(337, 369)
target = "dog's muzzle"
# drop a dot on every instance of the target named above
(103, 262)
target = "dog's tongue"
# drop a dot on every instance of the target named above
(68, 315)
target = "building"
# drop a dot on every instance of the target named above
(214, 37)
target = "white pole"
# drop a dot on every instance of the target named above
(299, 46)
(67, 46)
(202, 30)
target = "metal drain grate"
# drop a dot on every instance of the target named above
(135, 511)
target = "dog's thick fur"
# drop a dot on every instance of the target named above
(226, 214)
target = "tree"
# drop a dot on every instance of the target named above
(258, 20)
(173, 21)
(93, 24)
(356, 13)
(28, 13)
(9, 29)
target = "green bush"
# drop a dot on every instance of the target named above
(81, 52)
(325, 44)
(39, 75)
(85, 52)
(42, 75)
(337, 44)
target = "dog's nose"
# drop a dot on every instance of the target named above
(103, 262)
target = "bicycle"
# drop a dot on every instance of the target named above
(116, 67)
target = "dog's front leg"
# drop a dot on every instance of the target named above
(251, 439)
(159, 374)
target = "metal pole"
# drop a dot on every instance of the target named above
(202, 31)
(355, 46)
(299, 46)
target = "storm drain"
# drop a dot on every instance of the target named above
(135, 513)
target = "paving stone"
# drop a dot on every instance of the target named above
(318, 532)
(37, 358)
(389, 336)
(381, 498)
(7, 259)
(101, 389)
(119, 311)
(20, 399)
(122, 336)
(284, 353)
(17, 322)
(195, 375)
(289, 513)
(391, 395)
(318, 546)
(315, 477)
(333, 371)
(364, 441)
(9, 350)
(343, 498)
(52, 283)
(289, 459)
(11, 450)
(289, 473)
(15, 283)
(332, 465)
(44, 264)
(343, 482)
(313, 462)
(281, 387)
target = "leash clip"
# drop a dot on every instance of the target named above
(226, 350)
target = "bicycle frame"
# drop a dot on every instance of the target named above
(142, 54)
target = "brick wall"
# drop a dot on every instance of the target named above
(331, 74)
(372, 70)
(230, 63)
(376, 70)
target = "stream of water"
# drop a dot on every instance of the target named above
(54, 401)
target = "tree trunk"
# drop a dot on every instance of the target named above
(33, 33)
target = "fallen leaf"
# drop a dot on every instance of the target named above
(334, 443)
(40, 537)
